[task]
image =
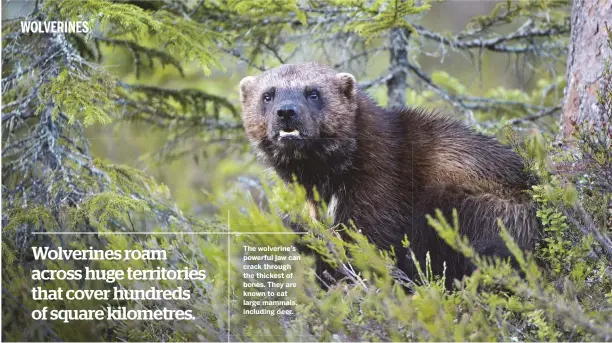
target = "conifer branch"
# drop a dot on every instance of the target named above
(140, 53)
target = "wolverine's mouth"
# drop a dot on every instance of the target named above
(288, 134)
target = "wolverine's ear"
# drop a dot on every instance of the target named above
(245, 87)
(347, 84)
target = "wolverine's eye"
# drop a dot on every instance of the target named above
(313, 95)
(267, 97)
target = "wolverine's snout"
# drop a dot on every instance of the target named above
(287, 125)
(287, 111)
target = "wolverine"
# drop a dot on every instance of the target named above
(386, 169)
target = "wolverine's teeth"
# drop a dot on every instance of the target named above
(294, 133)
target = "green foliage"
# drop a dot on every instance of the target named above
(38, 217)
(130, 18)
(508, 11)
(262, 9)
(65, 91)
(451, 84)
(179, 35)
(376, 17)
(100, 208)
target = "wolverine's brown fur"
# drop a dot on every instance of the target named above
(386, 169)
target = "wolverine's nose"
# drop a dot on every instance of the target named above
(287, 111)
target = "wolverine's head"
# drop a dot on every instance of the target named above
(300, 112)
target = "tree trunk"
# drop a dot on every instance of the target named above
(396, 85)
(588, 51)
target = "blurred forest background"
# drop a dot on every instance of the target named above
(136, 126)
(478, 73)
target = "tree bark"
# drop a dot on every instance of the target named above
(396, 85)
(588, 51)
